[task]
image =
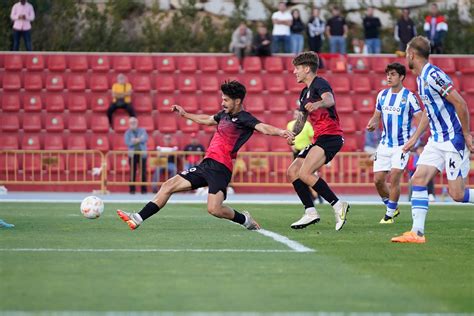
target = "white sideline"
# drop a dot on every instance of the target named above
(138, 250)
(296, 246)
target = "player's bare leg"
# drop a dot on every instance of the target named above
(380, 181)
(216, 208)
(173, 185)
(394, 195)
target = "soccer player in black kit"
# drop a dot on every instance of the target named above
(234, 127)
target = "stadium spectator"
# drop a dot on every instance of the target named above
(372, 32)
(316, 27)
(262, 42)
(359, 47)
(450, 144)
(194, 158)
(136, 139)
(336, 32)
(372, 139)
(241, 43)
(282, 21)
(297, 28)
(121, 97)
(167, 163)
(4, 224)
(435, 28)
(396, 107)
(22, 14)
(405, 30)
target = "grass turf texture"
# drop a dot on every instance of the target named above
(356, 269)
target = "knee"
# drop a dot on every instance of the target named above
(214, 210)
(292, 174)
(379, 181)
(457, 195)
(167, 187)
(306, 178)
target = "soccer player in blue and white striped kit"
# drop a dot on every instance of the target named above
(396, 106)
(450, 144)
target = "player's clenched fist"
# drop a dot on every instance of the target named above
(179, 109)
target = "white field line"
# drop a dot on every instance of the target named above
(296, 246)
(139, 250)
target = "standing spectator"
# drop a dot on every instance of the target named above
(241, 43)
(262, 42)
(282, 21)
(405, 30)
(121, 97)
(22, 15)
(372, 32)
(336, 32)
(136, 139)
(435, 28)
(316, 27)
(297, 28)
(194, 158)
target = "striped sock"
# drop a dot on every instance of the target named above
(385, 200)
(391, 208)
(468, 196)
(419, 208)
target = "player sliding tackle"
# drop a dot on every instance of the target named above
(234, 127)
(450, 142)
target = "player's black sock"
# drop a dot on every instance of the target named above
(149, 210)
(323, 189)
(238, 218)
(304, 193)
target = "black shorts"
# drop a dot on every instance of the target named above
(209, 173)
(331, 144)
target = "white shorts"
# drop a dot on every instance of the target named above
(388, 158)
(445, 156)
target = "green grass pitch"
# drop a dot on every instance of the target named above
(354, 270)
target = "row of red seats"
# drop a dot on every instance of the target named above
(209, 63)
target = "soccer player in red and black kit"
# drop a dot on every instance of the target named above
(317, 103)
(234, 127)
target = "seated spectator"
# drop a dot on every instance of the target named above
(241, 43)
(166, 163)
(262, 43)
(121, 97)
(136, 139)
(22, 14)
(372, 140)
(193, 159)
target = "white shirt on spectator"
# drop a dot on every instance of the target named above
(18, 10)
(281, 29)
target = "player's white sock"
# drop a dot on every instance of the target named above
(419, 208)
(391, 208)
(385, 200)
(468, 196)
(337, 206)
(310, 210)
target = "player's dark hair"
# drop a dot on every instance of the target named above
(234, 90)
(421, 45)
(309, 59)
(399, 68)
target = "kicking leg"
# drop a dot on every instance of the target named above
(216, 208)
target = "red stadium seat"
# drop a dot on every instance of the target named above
(447, 64)
(32, 103)
(99, 124)
(143, 64)
(188, 102)
(54, 142)
(254, 104)
(142, 103)
(466, 65)
(365, 103)
(99, 142)
(10, 102)
(57, 62)
(410, 83)
(338, 64)
(9, 141)
(279, 144)
(209, 84)
(141, 83)
(379, 83)
(122, 63)
(118, 142)
(253, 83)
(54, 123)
(252, 64)
(187, 64)
(277, 104)
(77, 123)
(13, 62)
(344, 103)
(100, 102)
(350, 145)
(54, 103)
(32, 122)
(165, 84)
(35, 62)
(275, 84)
(339, 83)
(288, 62)
(230, 64)
(187, 126)
(76, 142)
(54, 82)
(77, 102)
(77, 163)
(99, 63)
(280, 121)
(211, 104)
(31, 142)
(468, 84)
(361, 83)
(258, 143)
(11, 82)
(273, 64)
(187, 84)
(9, 163)
(164, 103)
(378, 64)
(165, 64)
(33, 82)
(293, 86)
(293, 101)
(76, 82)
(120, 122)
(348, 124)
(166, 123)
(9, 122)
(78, 63)
(99, 83)
(359, 64)
(146, 122)
(208, 64)
(32, 164)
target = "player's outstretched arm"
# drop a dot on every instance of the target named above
(424, 121)
(463, 114)
(198, 118)
(274, 131)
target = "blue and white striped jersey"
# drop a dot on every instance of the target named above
(397, 112)
(433, 87)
